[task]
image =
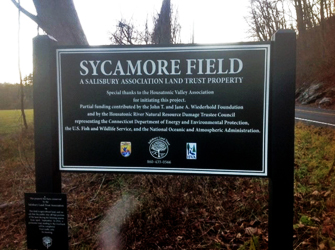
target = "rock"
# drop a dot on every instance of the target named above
(311, 94)
(326, 101)
(330, 92)
(301, 89)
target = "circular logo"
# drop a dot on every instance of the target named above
(47, 241)
(158, 147)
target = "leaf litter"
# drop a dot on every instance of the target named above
(176, 212)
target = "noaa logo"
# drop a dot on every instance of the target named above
(47, 241)
(191, 151)
(159, 147)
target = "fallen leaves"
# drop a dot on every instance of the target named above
(251, 231)
(185, 212)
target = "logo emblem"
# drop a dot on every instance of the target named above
(47, 241)
(159, 147)
(191, 151)
(125, 148)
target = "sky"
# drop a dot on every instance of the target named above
(214, 21)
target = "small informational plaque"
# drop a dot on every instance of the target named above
(46, 221)
(176, 109)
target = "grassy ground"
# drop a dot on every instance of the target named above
(11, 120)
(314, 188)
(114, 211)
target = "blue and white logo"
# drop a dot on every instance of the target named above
(191, 151)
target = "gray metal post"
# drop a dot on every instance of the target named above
(281, 144)
(48, 177)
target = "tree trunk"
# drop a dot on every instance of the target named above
(162, 30)
(300, 17)
(60, 20)
(20, 75)
(22, 104)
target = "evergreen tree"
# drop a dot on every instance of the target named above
(162, 30)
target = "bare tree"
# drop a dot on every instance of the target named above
(125, 33)
(300, 16)
(166, 29)
(20, 74)
(266, 17)
(312, 13)
(58, 19)
(147, 35)
(175, 27)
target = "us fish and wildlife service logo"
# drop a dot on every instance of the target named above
(125, 148)
(191, 151)
(47, 241)
(159, 147)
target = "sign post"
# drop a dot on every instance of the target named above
(46, 211)
(281, 151)
(48, 177)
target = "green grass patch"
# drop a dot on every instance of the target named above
(314, 157)
(252, 244)
(314, 187)
(11, 120)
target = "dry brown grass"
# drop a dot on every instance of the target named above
(115, 211)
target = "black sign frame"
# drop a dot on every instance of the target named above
(68, 82)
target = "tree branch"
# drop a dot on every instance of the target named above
(27, 13)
